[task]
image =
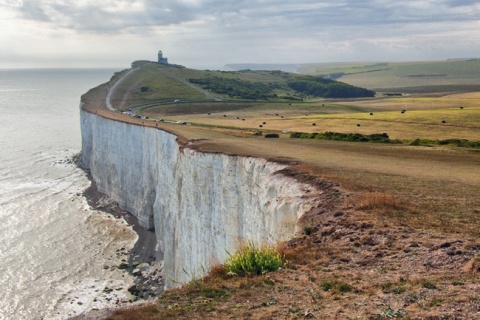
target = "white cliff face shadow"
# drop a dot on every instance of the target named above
(200, 204)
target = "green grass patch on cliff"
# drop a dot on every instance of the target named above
(252, 260)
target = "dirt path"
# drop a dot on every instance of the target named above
(111, 90)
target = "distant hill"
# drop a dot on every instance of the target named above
(278, 86)
(454, 75)
(287, 67)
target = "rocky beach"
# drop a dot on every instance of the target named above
(142, 260)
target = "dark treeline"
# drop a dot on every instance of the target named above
(327, 88)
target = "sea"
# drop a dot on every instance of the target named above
(58, 256)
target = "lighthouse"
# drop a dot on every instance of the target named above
(161, 59)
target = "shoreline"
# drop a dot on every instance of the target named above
(144, 249)
(142, 262)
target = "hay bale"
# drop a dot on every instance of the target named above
(272, 135)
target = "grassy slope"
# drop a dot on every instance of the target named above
(389, 254)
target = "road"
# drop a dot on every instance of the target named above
(115, 85)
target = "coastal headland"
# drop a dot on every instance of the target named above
(387, 226)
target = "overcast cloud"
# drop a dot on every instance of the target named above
(211, 33)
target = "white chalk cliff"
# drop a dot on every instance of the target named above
(200, 204)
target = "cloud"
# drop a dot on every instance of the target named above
(462, 3)
(120, 15)
(225, 31)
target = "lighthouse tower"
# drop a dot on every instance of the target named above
(161, 59)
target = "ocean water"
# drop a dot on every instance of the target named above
(58, 257)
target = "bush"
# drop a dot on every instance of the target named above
(339, 136)
(336, 286)
(464, 143)
(327, 88)
(423, 142)
(272, 135)
(252, 260)
(461, 143)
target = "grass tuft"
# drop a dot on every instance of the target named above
(427, 284)
(336, 286)
(377, 201)
(252, 260)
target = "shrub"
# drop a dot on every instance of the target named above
(336, 286)
(327, 88)
(464, 143)
(427, 284)
(390, 313)
(423, 142)
(272, 135)
(459, 282)
(252, 260)
(391, 287)
(307, 231)
(339, 136)
(460, 143)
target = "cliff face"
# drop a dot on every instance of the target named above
(200, 204)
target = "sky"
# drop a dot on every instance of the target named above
(207, 34)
